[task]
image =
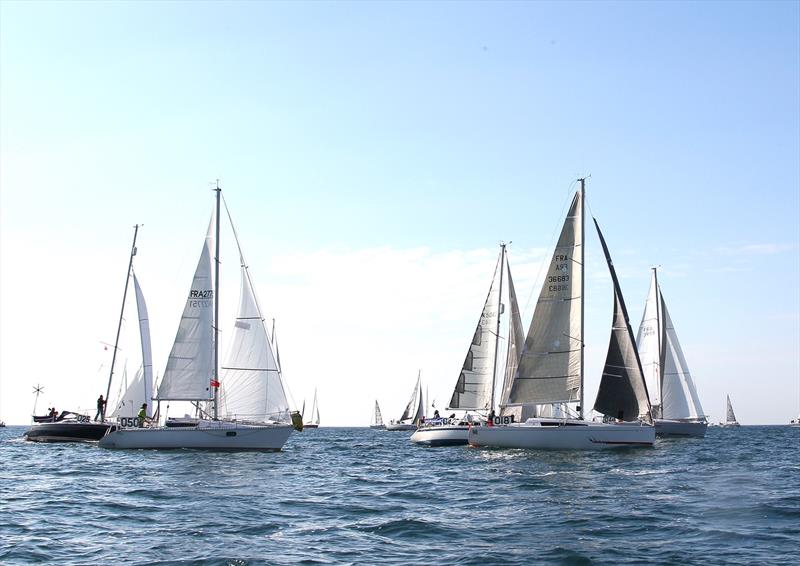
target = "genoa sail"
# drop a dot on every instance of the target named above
(473, 388)
(549, 368)
(190, 366)
(730, 417)
(680, 399)
(516, 339)
(250, 378)
(623, 393)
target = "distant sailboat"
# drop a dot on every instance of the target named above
(730, 417)
(550, 374)
(676, 405)
(415, 411)
(377, 418)
(193, 372)
(313, 422)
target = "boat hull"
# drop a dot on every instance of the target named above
(68, 432)
(567, 435)
(306, 425)
(665, 427)
(446, 435)
(377, 427)
(220, 437)
(729, 425)
(394, 427)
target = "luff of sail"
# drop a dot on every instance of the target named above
(473, 388)
(190, 365)
(622, 394)
(251, 384)
(550, 366)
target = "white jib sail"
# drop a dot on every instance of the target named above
(647, 341)
(550, 366)
(730, 417)
(147, 352)
(473, 388)
(680, 395)
(251, 383)
(516, 339)
(190, 365)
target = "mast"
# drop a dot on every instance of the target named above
(660, 346)
(497, 330)
(216, 310)
(583, 285)
(122, 310)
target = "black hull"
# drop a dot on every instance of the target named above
(68, 432)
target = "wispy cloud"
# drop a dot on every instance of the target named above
(756, 249)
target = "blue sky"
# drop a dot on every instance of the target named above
(368, 136)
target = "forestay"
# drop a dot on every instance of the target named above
(550, 367)
(190, 365)
(622, 394)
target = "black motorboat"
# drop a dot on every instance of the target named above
(67, 427)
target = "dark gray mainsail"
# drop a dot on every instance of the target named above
(550, 366)
(623, 393)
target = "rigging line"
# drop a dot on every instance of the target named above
(556, 230)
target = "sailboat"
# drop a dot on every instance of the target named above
(377, 418)
(257, 415)
(414, 413)
(313, 421)
(476, 383)
(730, 416)
(74, 427)
(673, 396)
(550, 374)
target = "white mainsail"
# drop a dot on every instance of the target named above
(140, 390)
(251, 385)
(473, 389)
(378, 418)
(550, 365)
(730, 417)
(648, 341)
(190, 366)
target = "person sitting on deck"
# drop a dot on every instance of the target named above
(436, 414)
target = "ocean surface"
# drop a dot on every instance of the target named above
(358, 496)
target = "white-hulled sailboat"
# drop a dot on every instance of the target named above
(673, 396)
(476, 384)
(551, 368)
(314, 420)
(414, 413)
(192, 372)
(730, 416)
(377, 418)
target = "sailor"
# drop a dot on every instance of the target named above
(101, 409)
(142, 415)
(436, 414)
(490, 418)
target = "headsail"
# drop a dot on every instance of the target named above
(680, 399)
(412, 403)
(378, 417)
(622, 394)
(190, 366)
(550, 366)
(516, 339)
(648, 341)
(473, 389)
(250, 377)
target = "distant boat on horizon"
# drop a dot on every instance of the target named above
(730, 417)
(415, 410)
(314, 419)
(377, 418)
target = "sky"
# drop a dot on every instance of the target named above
(373, 156)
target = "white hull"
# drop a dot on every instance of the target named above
(564, 435)
(729, 425)
(666, 427)
(400, 426)
(208, 436)
(377, 427)
(446, 435)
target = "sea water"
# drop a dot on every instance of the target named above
(361, 496)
